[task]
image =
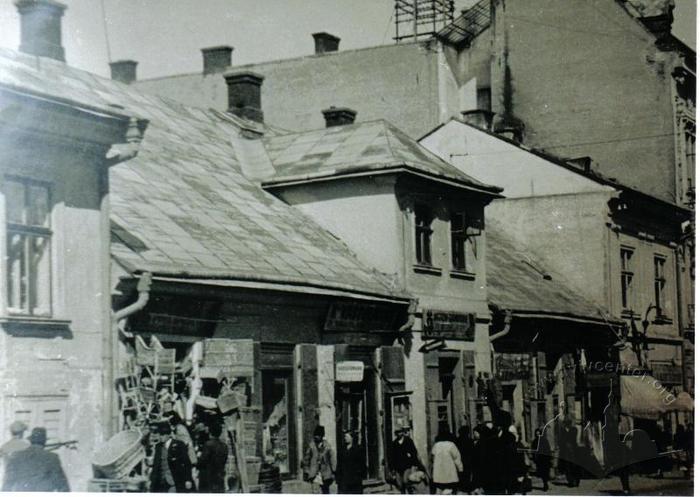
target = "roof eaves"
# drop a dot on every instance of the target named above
(567, 316)
(203, 274)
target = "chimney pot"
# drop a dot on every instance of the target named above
(40, 28)
(338, 116)
(216, 59)
(325, 42)
(244, 94)
(123, 70)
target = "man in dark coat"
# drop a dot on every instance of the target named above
(172, 470)
(403, 456)
(34, 469)
(351, 467)
(212, 462)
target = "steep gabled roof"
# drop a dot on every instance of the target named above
(182, 207)
(518, 281)
(376, 147)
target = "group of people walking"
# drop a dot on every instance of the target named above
(462, 463)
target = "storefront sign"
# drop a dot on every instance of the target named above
(448, 325)
(512, 367)
(349, 371)
(353, 316)
(227, 357)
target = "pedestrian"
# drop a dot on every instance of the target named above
(351, 465)
(34, 469)
(465, 444)
(403, 458)
(212, 462)
(488, 476)
(446, 463)
(569, 452)
(520, 481)
(319, 461)
(172, 469)
(182, 433)
(542, 455)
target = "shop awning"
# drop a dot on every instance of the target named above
(643, 397)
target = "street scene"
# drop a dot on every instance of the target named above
(379, 247)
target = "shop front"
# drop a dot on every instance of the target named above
(260, 364)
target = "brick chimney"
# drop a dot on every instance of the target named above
(123, 70)
(244, 94)
(325, 42)
(216, 59)
(40, 28)
(338, 116)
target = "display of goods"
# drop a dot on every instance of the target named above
(146, 355)
(119, 455)
(228, 401)
(206, 402)
(269, 479)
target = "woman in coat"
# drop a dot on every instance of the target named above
(447, 463)
(351, 466)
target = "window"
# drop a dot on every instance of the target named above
(464, 246)
(28, 247)
(626, 277)
(659, 285)
(424, 232)
(45, 411)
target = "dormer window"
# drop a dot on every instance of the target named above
(424, 232)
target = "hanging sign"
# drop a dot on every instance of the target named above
(349, 371)
(448, 325)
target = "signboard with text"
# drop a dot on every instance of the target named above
(353, 316)
(448, 325)
(349, 371)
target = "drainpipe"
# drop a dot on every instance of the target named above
(506, 328)
(408, 325)
(143, 288)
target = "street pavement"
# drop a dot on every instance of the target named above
(672, 484)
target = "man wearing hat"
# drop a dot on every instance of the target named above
(403, 457)
(172, 469)
(17, 442)
(319, 461)
(34, 469)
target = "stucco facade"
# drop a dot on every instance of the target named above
(53, 362)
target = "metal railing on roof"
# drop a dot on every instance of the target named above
(470, 24)
(421, 19)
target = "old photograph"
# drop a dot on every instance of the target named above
(347, 246)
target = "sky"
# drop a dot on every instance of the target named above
(165, 36)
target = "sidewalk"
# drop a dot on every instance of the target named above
(672, 484)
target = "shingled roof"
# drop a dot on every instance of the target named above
(182, 207)
(376, 147)
(518, 281)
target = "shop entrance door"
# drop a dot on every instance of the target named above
(351, 414)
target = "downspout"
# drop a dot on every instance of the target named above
(118, 152)
(143, 288)
(506, 328)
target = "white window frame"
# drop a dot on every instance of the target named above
(28, 230)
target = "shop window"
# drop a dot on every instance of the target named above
(626, 277)
(277, 425)
(424, 232)
(28, 247)
(660, 286)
